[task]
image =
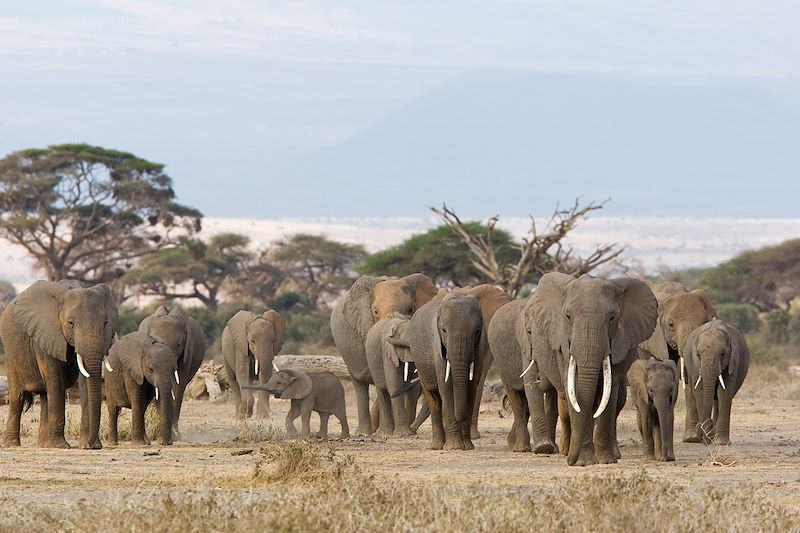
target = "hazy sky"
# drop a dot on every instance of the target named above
(218, 89)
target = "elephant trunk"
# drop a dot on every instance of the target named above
(460, 355)
(165, 414)
(264, 366)
(94, 385)
(666, 424)
(587, 381)
(709, 370)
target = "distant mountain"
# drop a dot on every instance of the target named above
(518, 142)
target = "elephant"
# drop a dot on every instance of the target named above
(368, 300)
(391, 367)
(52, 331)
(445, 337)
(717, 359)
(185, 336)
(583, 334)
(140, 368)
(654, 386)
(679, 313)
(520, 377)
(321, 392)
(250, 343)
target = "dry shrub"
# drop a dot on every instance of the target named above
(770, 383)
(302, 463)
(257, 431)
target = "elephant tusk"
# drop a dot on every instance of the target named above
(256, 367)
(275, 367)
(405, 371)
(81, 367)
(697, 384)
(415, 370)
(527, 369)
(447, 373)
(177, 379)
(683, 383)
(606, 387)
(156, 393)
(108, 366)
(722, 382)
(573, 399)
(471, 370)
(173, 394)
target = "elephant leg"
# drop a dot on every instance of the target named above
(323, 426)
(543, 441)
(476, 407)
(249, 401)
(138, 431)
(657, 437)
(262, 407)
(402, 410)
(723, 423)
(113, 421)
(604, 434)
(566, 426)
(43, 419)
(341, 415)
(305, 420)
(690, 431)
(56, 412)
(386, 419)
(236, 391)
(551, 415)
(362, 402)
(622, 398)
(519, 440)
(294, 412)
(434, 402)
(176, 410)
(453, 435)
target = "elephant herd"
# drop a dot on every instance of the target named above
(565, 356)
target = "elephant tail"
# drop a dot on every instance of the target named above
(405, 388)
(27, 401)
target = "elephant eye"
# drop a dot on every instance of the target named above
(612, 318)
(671, 324)
(71, 323)
(568, 316)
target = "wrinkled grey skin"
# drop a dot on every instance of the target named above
(715, 349)
(387, 365)
(507, 339)
(588, 319)
(185, 336)
(371, 299)
(248, 338)
(321, 392)
(654, 388)
(42, 330)
(449, 328)
(137, 365)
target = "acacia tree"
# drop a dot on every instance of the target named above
(193, 269)
(88, 213)
(541, 251)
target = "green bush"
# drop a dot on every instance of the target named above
(762, 352)
(743, 316)
(777, 326)
(794, 328)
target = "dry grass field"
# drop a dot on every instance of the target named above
(230, 475)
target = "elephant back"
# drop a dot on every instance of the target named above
(504, 343)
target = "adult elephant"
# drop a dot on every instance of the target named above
(371, 299)
(583, 334)
(717, 360)
(185, 336)
(445, 337)
(250, 343)
(520, 377)
(680, 312)
(51, 332)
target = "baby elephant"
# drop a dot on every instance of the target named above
(313, 391)
(654, 385)
(138, 369)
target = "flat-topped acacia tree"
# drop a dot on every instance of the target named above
(88, 213)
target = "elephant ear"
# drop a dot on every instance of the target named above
(144, 326)
(546, 307)
(278, 326)
(195, 340)
(637, 317)
(131, 350)
(358, 305)
(690, 358)
(711, 312)
(36, 312)
(237, 327)
(637, 379)
(424, 289)
(300, 386)
(677, 375)
(112, 312)
(739, 350)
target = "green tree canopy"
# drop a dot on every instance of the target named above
(88, 213)
(439, 254)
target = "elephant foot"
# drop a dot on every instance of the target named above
(667, 457)
(114, 442)
(582, 458)
(57, 442)
(617, 453)
(468, 445)
(475, 434)
(162, 442)
(364, 430)
(648, 456)
(344, 435)
(437, 443)
(453, 444)
(722, 440)
(545, 448)
(692, 437)
(140, 442)
(11, 442)
(384, 432)
(606, 456)
(404, 432)
(564, 445)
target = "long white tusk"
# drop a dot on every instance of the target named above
(721, 382)
(573, 399)
(697, 384)
(275, 367)
(405, 371)
(527, 369)
(606, 387)
(471, 370)
(256, 367)
(177, 379)
(156, 393)
(81, 367)
(173, 394)
(447, 372)
(108, 366)
(683, 383)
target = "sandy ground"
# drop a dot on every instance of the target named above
(765, 452)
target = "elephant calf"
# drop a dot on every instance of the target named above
(313, 391)
(138, 369)
(654, 385)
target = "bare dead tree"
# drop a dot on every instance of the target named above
(542, 250)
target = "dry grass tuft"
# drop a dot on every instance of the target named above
(770, 383)
(302, 463)
(251, 431)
